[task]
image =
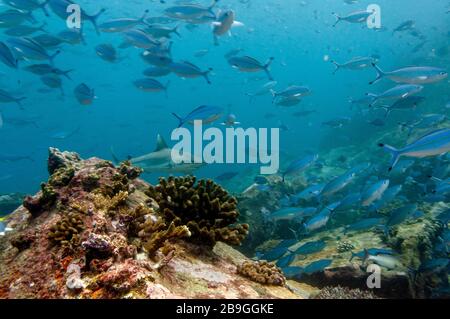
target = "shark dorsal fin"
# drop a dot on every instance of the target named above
(160, 143)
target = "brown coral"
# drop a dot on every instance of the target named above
(35, 205)
(205, 208)
(152, 230)
(66, 232)
(262, 272)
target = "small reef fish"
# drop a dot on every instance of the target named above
(206, 113)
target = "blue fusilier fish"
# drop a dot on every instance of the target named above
(151, 85)
(292, 272)
(206, 113)
(357, 63)
(285, 261)
(320, 220)
(432, 144)
(442, 187)
(389, 195)
(397, 92)
(27, 48)
(337, 184)
(399, 215)
(292, 213)
(27, 5)
(186, 69)
(287, 242)
(311, 247)
(226, 176)
(364, 224)
(412, 75)
(190, 11)
(300, 165)
(317, 266)
(374, 192)
(293, 91)
(249, 64)
(273, 254)
(390, 262)
(435, 265)
(106, 52)
(140, 39)
(349, 202)
(121, 24)
(84, 94)
(410, 102)
(7, 57)
(6, 97)
(59, 7)
(309, 193)
(372, 252)
(354, 17)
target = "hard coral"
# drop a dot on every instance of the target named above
(153, 231)
(344, 293)
(262, 272)
(61, 177)
(66, 232)
(207, 209)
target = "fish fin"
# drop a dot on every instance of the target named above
(338, 18)
(395, 153)
(160, 143)
(352, 256)
(94, 18)
(380, 74)
(66, 73)
(180, 124)
(53, 56)
(336, 65)
(375, 98)
(205, 75)
(175, 30)
(113, 155)
(43, 7)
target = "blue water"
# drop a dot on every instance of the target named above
(298, 34)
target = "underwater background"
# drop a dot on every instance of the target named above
(330, 128)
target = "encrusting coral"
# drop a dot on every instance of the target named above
(262, 272)
(207, 210)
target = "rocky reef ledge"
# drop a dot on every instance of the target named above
(98, 231)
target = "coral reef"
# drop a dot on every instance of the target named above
(263, 272)
(208, 211)
(339, 292)
(94, 232)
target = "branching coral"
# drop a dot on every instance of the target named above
(66, 232)
(132, 172)
(262, 272)
(207, 209)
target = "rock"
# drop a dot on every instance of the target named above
(98, 258)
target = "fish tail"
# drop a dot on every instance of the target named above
(374, 100)
(250, 97)
(338, 18)
(366, 255)
(53, 56)
(43, 7)
(66, 73)
(266, 68)
(19, 101)
(205, 75)
(387, 109)
(114, 156)
(395, 153)
(175, 30)
(274, 95)
(41, 28)
(336, 65)
(380, 74)
(212, 5)
(94, 18)
(142, 19)
(165, 89)
(180, 124)
(352, 256)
